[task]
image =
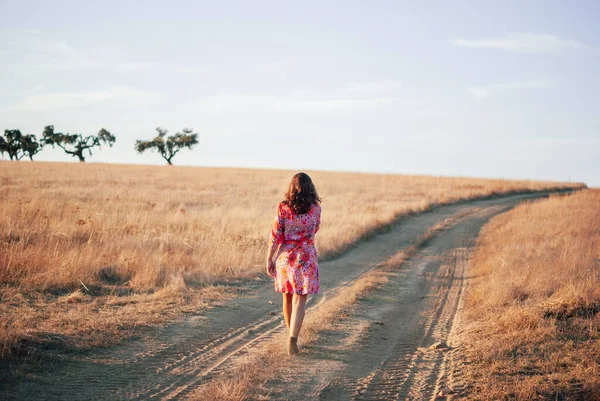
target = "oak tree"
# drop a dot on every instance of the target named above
(76, 144)
(15, 144)
(31, 146)
(168, 146)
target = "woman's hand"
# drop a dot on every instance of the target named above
(271, 267)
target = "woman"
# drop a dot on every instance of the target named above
(295, 272)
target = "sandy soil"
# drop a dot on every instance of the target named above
(381, 352)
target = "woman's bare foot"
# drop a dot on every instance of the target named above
(293, 346)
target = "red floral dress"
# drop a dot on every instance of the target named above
(297, 271)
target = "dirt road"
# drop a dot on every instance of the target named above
(399, 344)
(385, 361)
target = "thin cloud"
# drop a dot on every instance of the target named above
(372, 87)
(484, 92)
(530, 43)
(357, 89)
(63, 100)
(45, 54)
(58, 55)
(272, 67)
(353, 96)
(189, 69)
(559, 141)
(289, 104)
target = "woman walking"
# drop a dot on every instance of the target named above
(295, 271)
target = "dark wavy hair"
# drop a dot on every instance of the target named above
(301, 194)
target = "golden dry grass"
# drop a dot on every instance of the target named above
(119, 234)
(533, 310)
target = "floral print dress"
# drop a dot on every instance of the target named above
(297, 271)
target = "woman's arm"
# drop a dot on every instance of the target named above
(275, 240)
(270, 263)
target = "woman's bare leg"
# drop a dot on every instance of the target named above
(297, 315)
(287, 308)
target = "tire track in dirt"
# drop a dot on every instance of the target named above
(180, 357)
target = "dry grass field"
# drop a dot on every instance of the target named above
(533, 309)
(90, 251)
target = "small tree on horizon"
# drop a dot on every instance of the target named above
(2, 146)
(168, 146)
(31, 146)
(17, 145)
(76, 144)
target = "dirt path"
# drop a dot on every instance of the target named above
(398, 343)
(418, 306)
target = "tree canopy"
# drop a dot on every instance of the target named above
(18, 145)
(76, 144)
(168, 146)
(31, 145)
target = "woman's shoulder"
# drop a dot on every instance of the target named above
(283, 208)
(316, 207)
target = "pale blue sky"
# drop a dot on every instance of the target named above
(470, 88)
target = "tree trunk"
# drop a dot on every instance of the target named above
(81, 158)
